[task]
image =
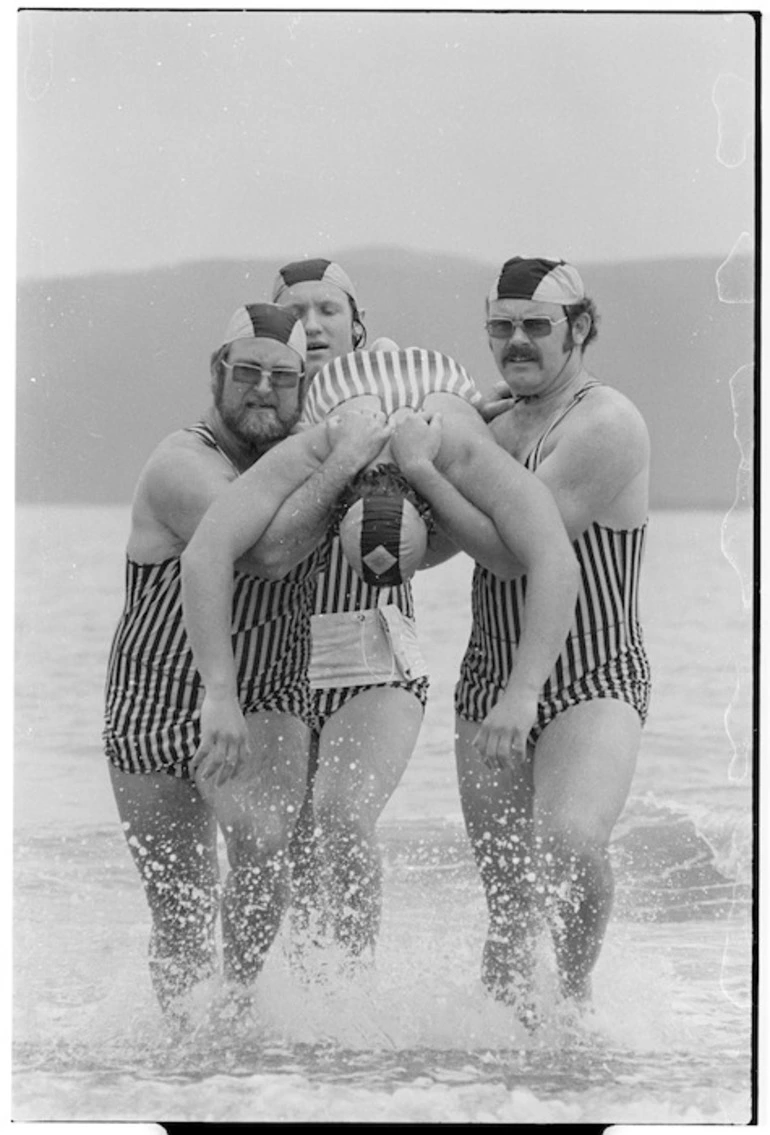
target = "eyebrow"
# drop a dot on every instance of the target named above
(303, 305)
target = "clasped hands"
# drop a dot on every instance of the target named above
(408, 437)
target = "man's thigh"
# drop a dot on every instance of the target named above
(264, 797)
(167, 816)
(364, 749)
(489, 797)
(584, 764)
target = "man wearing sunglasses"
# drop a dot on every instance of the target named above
(172, 800)
(540, 822)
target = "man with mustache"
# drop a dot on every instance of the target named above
(540, 822)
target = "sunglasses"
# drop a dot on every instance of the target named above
(280, 378)
(533, 326)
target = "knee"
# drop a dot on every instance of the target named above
(340, 824)
(574, 849)
(250, 843)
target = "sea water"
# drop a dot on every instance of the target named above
(669, 1039)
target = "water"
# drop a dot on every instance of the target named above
(417, 1041)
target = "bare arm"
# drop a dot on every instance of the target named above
(175, 488)
(178, 484)
(462, 526)
(597, 466)
(234, 524)
(527, 519)
(302, 521)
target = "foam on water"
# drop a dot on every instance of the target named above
(415, 1040)
(294, 1098)
(668, 1040)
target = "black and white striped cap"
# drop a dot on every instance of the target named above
(267, 321)
(299, 271)
(543, 281)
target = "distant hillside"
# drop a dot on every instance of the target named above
(108, 364)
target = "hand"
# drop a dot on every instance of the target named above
(224, 746)
(416, 440)
(496, 402)
(357, 437)
(502, 738)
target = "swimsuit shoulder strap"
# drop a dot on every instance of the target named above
(207, 436)
(533, 457)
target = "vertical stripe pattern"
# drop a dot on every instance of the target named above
(398, 378)
(153, 690)
(603, 655)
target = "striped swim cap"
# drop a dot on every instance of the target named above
(543, 281)
(300, 271)
(384, 532)
(267, 321)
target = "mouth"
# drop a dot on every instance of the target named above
(519, 360)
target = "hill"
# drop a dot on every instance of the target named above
(108, 364)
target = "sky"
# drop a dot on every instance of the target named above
(152, 138)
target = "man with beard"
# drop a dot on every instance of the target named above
(170, 805)
(540, 821)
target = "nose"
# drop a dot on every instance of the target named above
(310, 320)
(264, 384)
(518, 334)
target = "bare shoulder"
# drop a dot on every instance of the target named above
(606, 406)
(603, 419)
(180, 479)
(179, 464)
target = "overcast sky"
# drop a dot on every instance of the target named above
(149, 138)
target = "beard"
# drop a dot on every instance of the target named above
(257, 426)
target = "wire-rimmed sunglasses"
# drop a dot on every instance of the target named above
(280, 378)
(533, 326)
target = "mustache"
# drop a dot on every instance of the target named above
(521, 355)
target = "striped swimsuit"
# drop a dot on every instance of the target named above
(154, 692)
(398, 379)
(603, 656)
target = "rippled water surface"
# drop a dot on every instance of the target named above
(416, 1040)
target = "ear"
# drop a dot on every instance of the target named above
(581, 328)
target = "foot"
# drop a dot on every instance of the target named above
(232, 1006)
(577, 989)
(507, 972)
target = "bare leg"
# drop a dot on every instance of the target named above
(306, 860)
(584, 764)
(172, 834)
(364, 749)
(257, 811)
(497, 808)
